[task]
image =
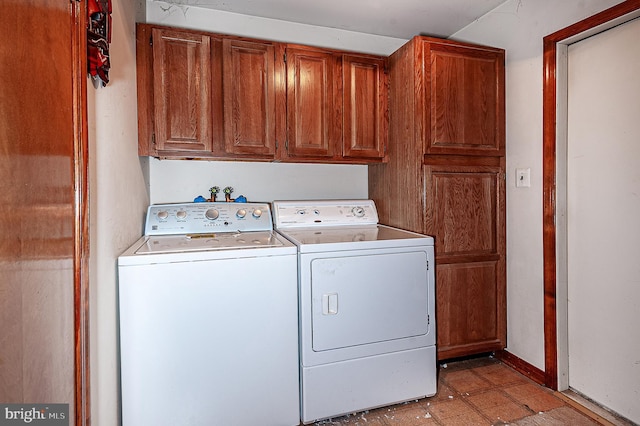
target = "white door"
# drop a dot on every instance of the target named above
(604, 218)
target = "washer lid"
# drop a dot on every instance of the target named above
(208, 242)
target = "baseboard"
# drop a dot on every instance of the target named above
(521, 366)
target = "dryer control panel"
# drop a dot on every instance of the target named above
(309, 214)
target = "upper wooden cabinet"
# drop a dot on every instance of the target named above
(336, 105)
(365, 87)
(314, 104)
(249, 98)
(182, 91)
(463, 98)
(203, 95)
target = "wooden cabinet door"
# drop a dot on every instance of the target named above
(464, 99)
(365, 107)
(314, 105)
(249, 98)
(182, 91)
(466, 214)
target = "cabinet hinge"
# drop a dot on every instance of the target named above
(284, 57)
(286, 145)
(151, 40)
(427, 265)
(276, 144)
(153, 138)
(428, 319)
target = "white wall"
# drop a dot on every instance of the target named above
(182, 181)
(178, 181)
(118, 199)
(519, 26)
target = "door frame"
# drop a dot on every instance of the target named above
(82, 396)
(554, 182)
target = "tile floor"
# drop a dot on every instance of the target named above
(480, 391)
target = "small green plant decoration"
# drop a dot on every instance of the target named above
(214, 193)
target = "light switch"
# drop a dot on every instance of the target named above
(523, 178)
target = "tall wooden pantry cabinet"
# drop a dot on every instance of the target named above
(445, 177)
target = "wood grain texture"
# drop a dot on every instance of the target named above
(314, 103)
(466, 88)
(549, 71)
(365, 106)
(182, 90)
(457, 195)
(249, 97)
(396, 186)
(43, 205)
(260, 105)
(466, 314)
(144, 80)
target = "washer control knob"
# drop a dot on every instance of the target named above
(163, 215)
(358, 211)
(181, 214)
(212, 214)
(257, 213)
(241, 213)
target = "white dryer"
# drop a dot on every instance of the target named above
(367, 307)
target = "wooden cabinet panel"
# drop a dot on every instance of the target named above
(365, 106)
(466, 214)
(466, 314)
(445, 177)
(465, 93)
(249, 98)
(314, 108)
(182, 91)
(462, 206)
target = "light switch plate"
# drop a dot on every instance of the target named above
(523, 178)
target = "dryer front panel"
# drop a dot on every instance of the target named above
(365, 302)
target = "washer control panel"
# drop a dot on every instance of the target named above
(203, 218)
(309, 214)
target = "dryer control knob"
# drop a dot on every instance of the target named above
(212, 214)
(257, 213)
(241, 213)
(181, 214)
(163, 215)
(358, 211)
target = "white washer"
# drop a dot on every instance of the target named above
(208, 319)
(367, 307)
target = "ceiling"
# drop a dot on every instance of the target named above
(397, 18)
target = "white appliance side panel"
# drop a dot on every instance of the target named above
(366, 299)
(340, 388)
(200, 339)
(380, 293)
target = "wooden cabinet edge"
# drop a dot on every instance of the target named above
(144, 77)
